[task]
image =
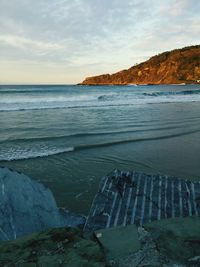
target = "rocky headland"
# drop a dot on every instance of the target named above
(172, 67)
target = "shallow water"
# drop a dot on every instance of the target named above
(68, 137)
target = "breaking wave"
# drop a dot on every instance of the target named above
(22, 99)
(39, 98)
(55, 151)
(185, 92)
(34, 154)
(157, 99)
(107, 97)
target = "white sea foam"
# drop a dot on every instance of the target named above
(31, 154)
(76, 97)
(100, 101)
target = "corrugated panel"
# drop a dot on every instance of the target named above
(137, 198)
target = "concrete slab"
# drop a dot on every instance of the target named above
(118, 242)
(177, 238)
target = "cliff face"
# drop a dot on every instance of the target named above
(174, 67)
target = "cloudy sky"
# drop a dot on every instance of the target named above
(63, 41)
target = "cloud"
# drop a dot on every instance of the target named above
(86, 37)
(25, 43)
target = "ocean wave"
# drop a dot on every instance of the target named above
(118, 142)
(62, 138)
(107, 97)
(129, 102)
(46, 153)
(37, 102)
(95, 100)
(34, 154)
(185, 92)
(52, 139)
(45, 100)
(21, 89)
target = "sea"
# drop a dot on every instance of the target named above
(68, 137)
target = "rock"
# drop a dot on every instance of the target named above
(26, 206)
(194, 262)
(118, 242)
(146, 256)
(178, 66)
(72, 219)
(195, 259)
(160, 244)
(177, 239)
(49, 248)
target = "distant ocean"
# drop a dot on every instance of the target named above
(68, 137)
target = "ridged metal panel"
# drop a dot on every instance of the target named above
(137, 198)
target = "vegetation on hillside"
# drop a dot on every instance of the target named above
(171, 67)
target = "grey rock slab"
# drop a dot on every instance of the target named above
(118, 242)
(27, 206)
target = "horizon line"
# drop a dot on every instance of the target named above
(47, 84)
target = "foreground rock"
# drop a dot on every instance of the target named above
(174, 67)
(177, 239)
(56, 247)
(165, 243)
(26, 206)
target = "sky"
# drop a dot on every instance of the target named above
(64, 41)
